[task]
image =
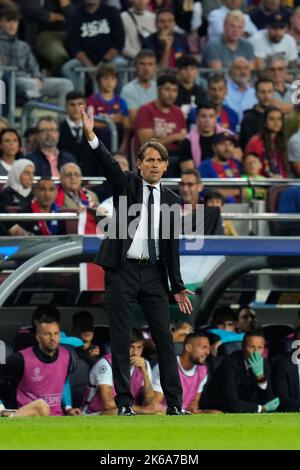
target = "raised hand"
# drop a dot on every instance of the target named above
(88, 123)
(183, 302)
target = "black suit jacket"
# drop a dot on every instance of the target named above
(285, 377)
(81, 151)
(234, 389)
(113, 252)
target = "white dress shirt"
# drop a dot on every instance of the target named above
(139, 245)
(72, 125)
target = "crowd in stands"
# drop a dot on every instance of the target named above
(226, 366)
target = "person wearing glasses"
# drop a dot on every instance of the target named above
(48, 159)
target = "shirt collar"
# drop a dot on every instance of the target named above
(72, 124)
(156, 186)
(234, 85)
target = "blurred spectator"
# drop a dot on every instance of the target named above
(101, 393)
(139, 23)
(242, 382)
(275, 40)
(276, 70)
(293, 153)
(217, 91)
(241, 95)
(45, 28)
(10, 149)
(106, 102)
(166, 43)
(17, 191)
(220, 52)
(44, 201)
(48, 159)
(253, 118)
(155, 5)
(143, 88)
(95, 34)
(289, 203)
(29, 82)
(188, 14)
(252, 167)
(294, 29)
(198, 144)
(223, 165)
(84, 328)
(190, 188)
(246, 319)
(70, 193)
(286, 379)
(224, 319)
(181, 331)
(162, 119)
(217, 16)
(4, 124)
(192, 372)
(260, 14)
(31, 141)
(216, 199)
(72, 138)
(270, 145)
(45, 361)
(190, 95)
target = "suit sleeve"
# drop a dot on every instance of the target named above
(173, 260)
(111, 168)
(281, 388)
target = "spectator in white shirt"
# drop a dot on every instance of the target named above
(273, 40)
(294, 30)
(216, 19)
(138, 24)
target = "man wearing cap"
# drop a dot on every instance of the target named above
(223, 165)
(274, 39)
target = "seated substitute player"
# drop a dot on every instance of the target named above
(192, 372)
(35, 408)
(101, 392)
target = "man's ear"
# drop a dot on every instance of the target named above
(138, 163)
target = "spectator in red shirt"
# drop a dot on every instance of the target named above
(270, 145)
(163, 120)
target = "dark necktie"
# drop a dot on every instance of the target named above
(77, 134)
(151, 239)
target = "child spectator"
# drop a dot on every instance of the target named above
(252, 167)
(107, 103)
(216, 199)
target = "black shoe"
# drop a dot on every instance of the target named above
(126, 411)
(176, 411)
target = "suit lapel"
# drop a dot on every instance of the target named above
(295, 378)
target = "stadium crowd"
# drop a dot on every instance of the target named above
(214, 81)
(226, 366)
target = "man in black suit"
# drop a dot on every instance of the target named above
(72, 138)
(286, 378)
(139, 264)
(242, 383)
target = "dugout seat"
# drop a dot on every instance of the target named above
(272, 203)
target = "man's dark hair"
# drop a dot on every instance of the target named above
(164, 10)
(83, 321)
(145, 53)
(45, 319)
(136, 336)
(216, 78)
(206, 105)
(10, 13)
(186, 61)
(223, 313)
(213, 195)
(252, 334)
(30, 131)
(167, 78)
(44, 178)
(263, 80)
(74, 95)
(194, 172)
(197, 334)
(154, 144)
(45, 311)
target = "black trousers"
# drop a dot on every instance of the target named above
(125, 286)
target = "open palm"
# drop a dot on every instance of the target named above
(183, 302)
(88, 123)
